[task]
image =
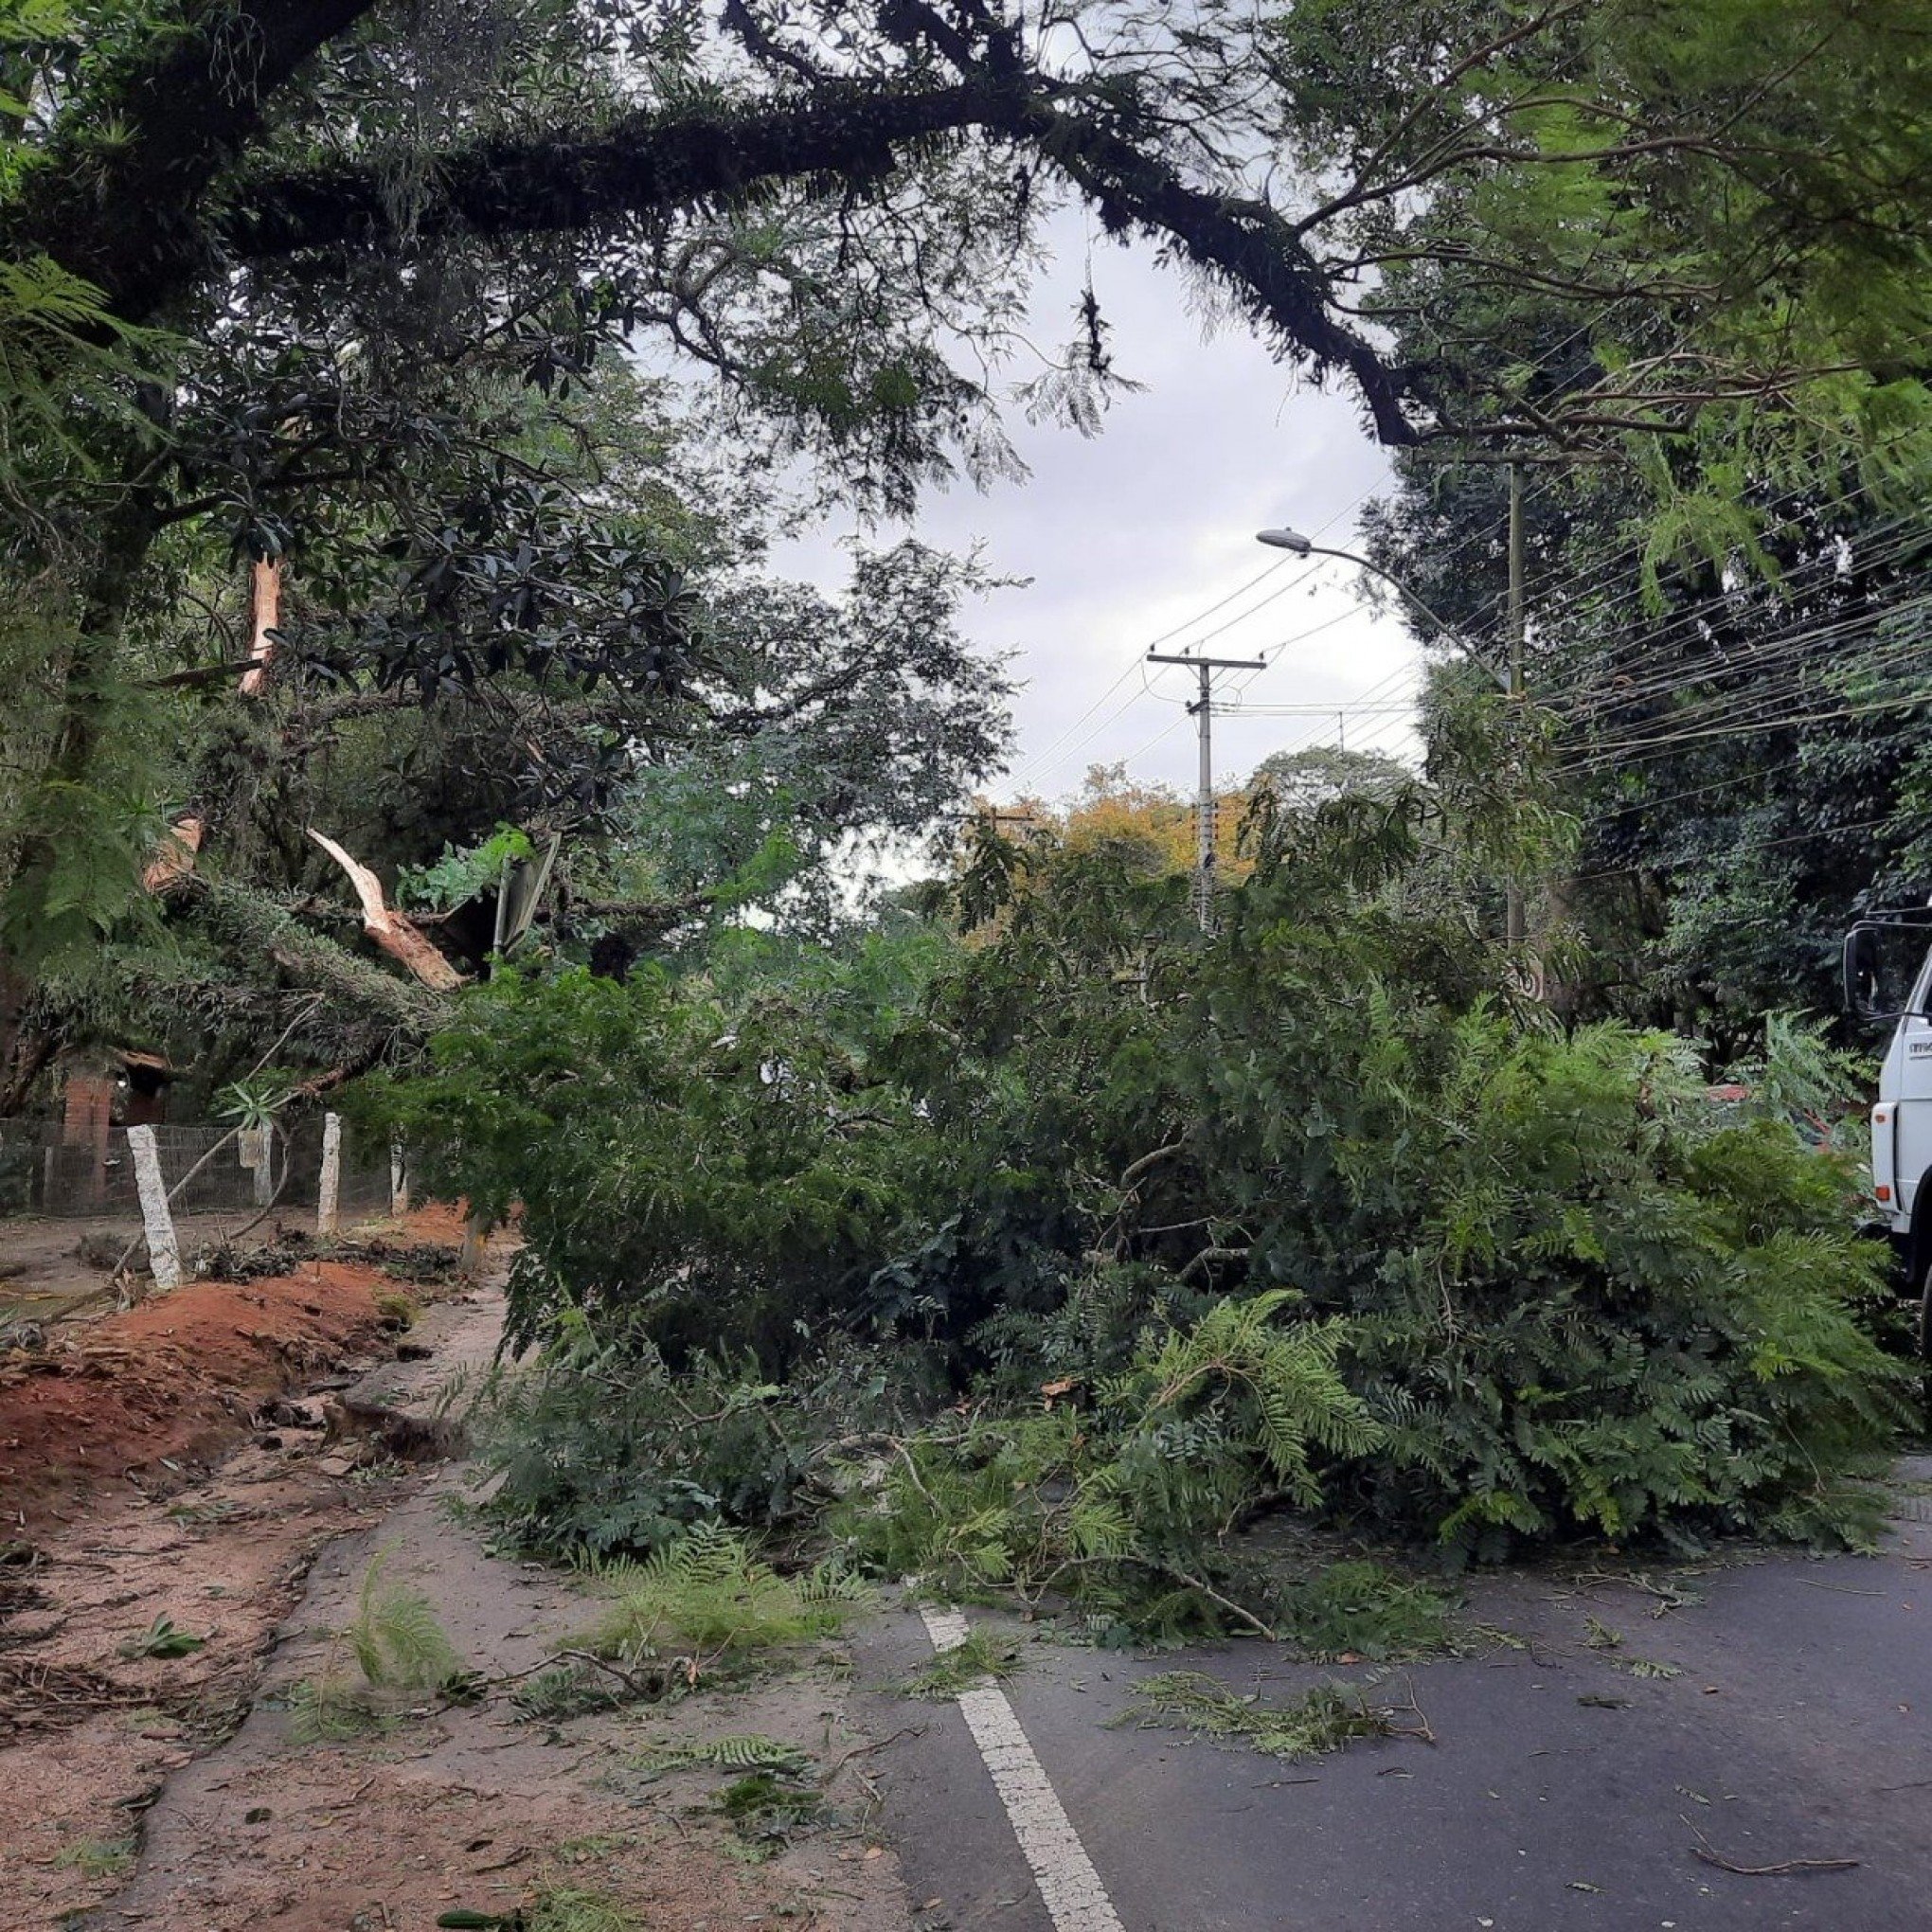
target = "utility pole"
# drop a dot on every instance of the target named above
(1202, 709)
(1513, 902)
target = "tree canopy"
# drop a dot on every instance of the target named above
(504, 333)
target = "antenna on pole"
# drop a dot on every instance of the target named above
(1202, 709)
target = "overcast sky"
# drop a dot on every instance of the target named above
(1145, 529)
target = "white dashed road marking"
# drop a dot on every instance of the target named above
(1070, 1889)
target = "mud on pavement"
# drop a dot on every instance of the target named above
(185, 1791)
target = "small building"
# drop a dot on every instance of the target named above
(104, 1087)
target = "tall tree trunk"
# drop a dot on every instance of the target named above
(85, 701)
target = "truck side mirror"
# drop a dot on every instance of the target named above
(1864, 989)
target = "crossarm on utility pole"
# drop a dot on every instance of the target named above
(1203, 708)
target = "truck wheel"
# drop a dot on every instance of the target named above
(1920, 1293)
(1918, 1284)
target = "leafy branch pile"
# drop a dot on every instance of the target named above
(1113, 1505)
(1326, 1717)
(1157, 1232)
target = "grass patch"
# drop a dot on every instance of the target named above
(963, 1664)
(1359, 1610)
(709, 1591)
(96, 1858)
(396, 1311)
(1328, 1717)
(565, 1909)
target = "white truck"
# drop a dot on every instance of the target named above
(1888, 977)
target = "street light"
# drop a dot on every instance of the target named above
(1305, 547)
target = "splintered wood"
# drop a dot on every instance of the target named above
(393, 930)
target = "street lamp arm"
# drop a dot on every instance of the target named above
(1303, 546)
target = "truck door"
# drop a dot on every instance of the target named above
(1907, 1084)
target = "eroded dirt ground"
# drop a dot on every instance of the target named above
(189, 1791)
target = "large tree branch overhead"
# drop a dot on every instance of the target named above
(840, 132)
(647, 165)
(124, 215)
(150, 217)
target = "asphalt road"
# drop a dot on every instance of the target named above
(1797, 1730)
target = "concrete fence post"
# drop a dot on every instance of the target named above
(256, 1145)
(164, 1255)
(330, 1188)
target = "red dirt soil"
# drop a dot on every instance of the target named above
(173, 1377)
(178, 1376)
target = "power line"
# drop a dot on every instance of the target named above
(1738, 705)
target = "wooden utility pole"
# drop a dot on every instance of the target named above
(1202, 709)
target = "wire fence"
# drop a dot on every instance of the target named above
(44, 1170)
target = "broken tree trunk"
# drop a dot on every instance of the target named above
(173, 857)
(264, 604)
(391, 930)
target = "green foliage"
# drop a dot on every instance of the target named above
(723, 1173)
(402, 1656)
(975, 1660)
(768, 1811)
(708, 1591)
(1361, 1610)
(1119, 1508)
(1327, 1717)
(96, 1858)
(398, 1643)
(602, 1449)
(567, 1909)
(750, 1752)
(330, 1710)
(567, 1689)
(163, 1638)
(395, 1310)
(1309, 1210)
(1651, 1319)
(560, 1908)
(256, 1101)
(457, 877)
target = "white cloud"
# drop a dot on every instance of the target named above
(1139, 531)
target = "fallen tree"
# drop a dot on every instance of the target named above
(1489, 1286)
